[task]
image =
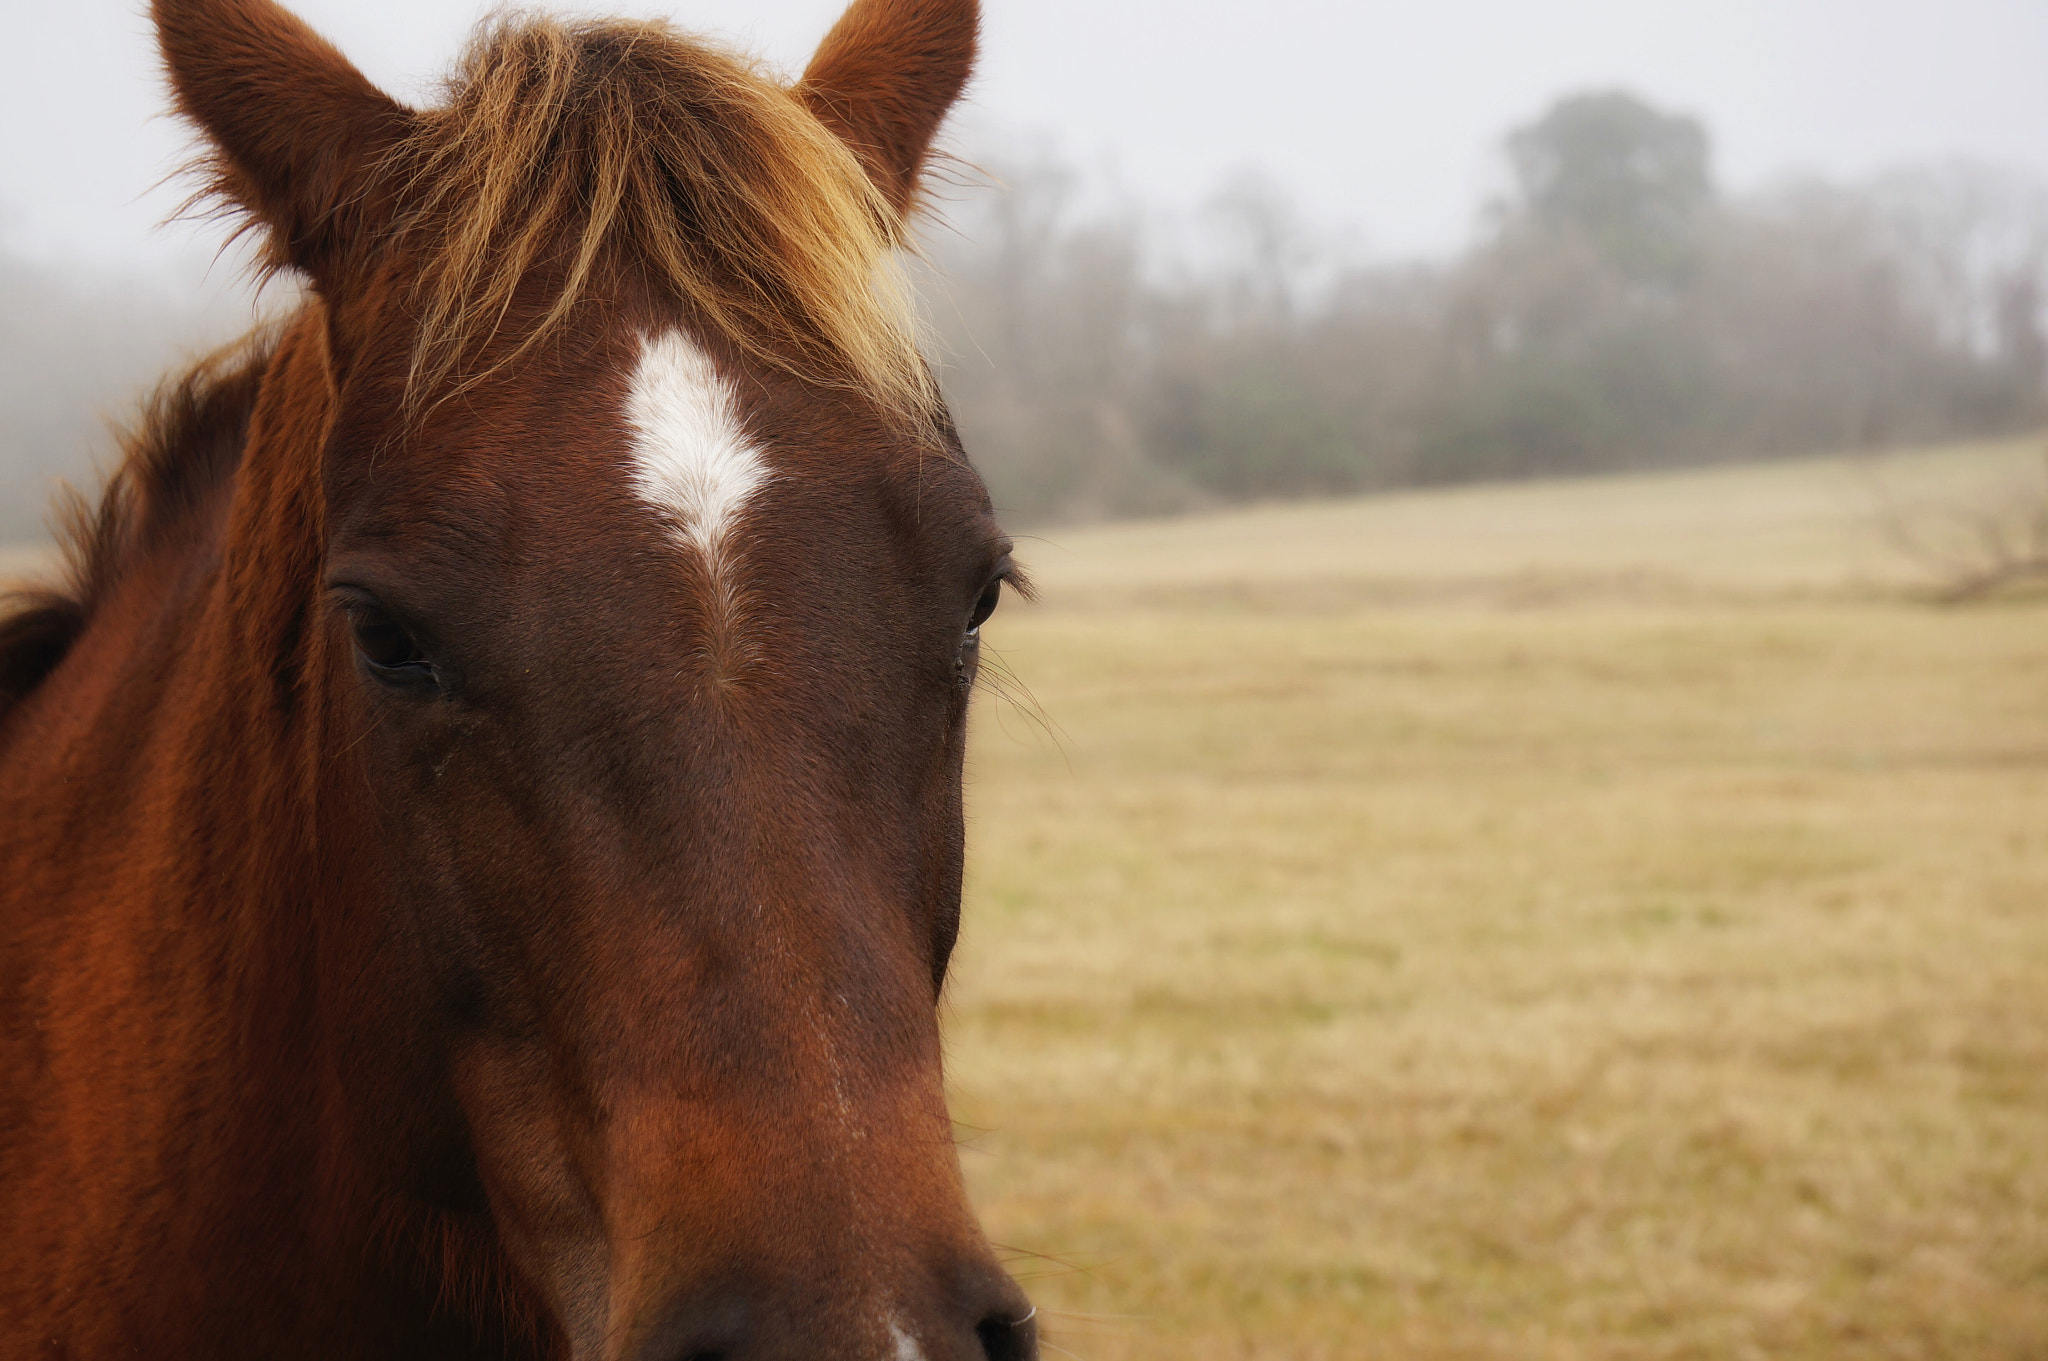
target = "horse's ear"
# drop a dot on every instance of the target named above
(885, 77)
(298, 132)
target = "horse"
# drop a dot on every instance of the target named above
(480, 820)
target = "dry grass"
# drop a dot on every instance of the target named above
(1600, 920)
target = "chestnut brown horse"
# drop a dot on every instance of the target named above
(480, 832)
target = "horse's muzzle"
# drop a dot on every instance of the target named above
(989, 1319)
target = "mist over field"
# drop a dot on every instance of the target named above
(1617, 309)
(78, 351)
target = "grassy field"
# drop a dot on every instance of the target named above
(1598, 920)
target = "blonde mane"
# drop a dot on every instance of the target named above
(589, 137)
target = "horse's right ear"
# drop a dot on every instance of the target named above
(298, 133)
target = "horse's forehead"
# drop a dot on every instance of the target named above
(691, 459)
(732, 484)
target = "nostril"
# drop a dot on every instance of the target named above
(710, 1324)
(704, 1354)
(1006, 1337)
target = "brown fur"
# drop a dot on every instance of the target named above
(576, 1002)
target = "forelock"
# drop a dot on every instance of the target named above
(564, 142)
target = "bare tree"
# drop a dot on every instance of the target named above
(1972, 548)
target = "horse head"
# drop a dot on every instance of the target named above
(637, 637)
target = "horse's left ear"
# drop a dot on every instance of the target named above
(299, 133)
(884, 79)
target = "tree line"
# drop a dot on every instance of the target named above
(1616, 311)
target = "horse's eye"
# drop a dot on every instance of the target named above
(984, 607)
(386, 646)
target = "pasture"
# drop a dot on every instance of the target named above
(1585, 920)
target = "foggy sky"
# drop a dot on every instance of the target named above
(1382, 119)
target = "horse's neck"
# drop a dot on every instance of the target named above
(192, 715)
(159, 823)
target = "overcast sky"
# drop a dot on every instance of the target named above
(1381, 118)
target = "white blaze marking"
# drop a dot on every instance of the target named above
(691, 459)
(906, 1345)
